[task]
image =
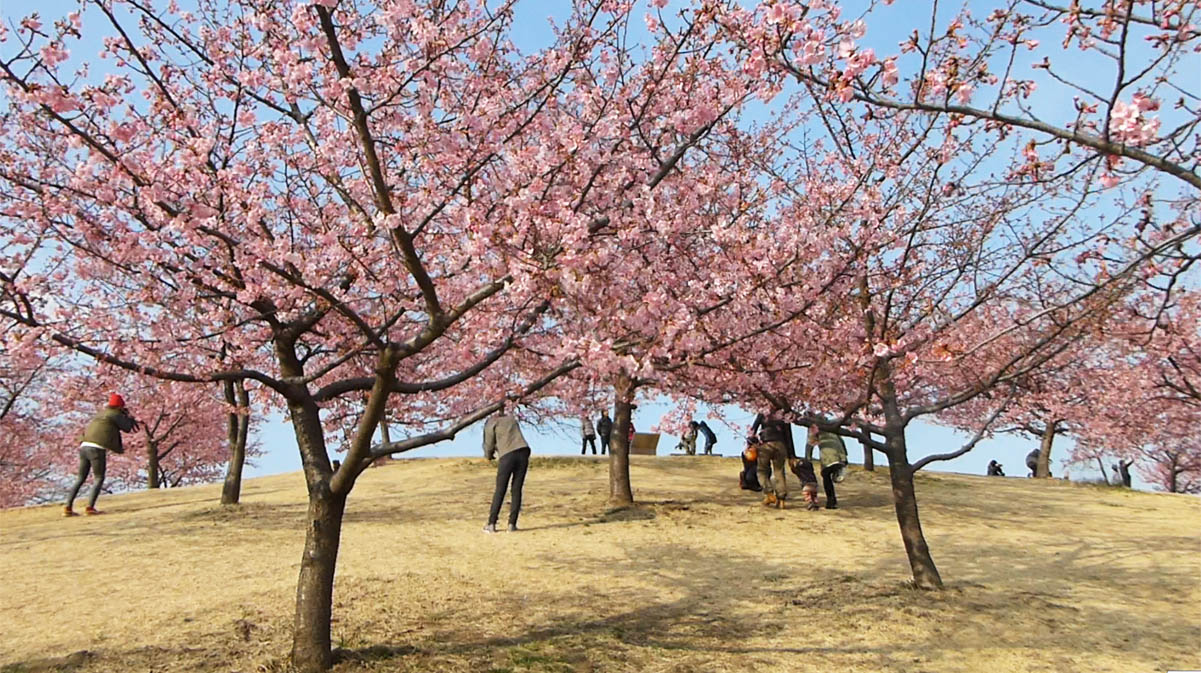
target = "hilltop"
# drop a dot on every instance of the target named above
(698, 577)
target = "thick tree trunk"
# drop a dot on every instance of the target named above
(869, 460)
(237, 431)
(1173, 475)
(904, 498)
(620, 493)
(311, 646)
(1043, 468)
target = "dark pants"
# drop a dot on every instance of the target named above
(512, 465)
(709, 446)
(604, 444)
(584, 445)
(828, 484)
(91, 460)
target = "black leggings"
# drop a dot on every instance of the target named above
(584, 445)
(90, 459)
(604, 444)
(512, 465)
(828, 484)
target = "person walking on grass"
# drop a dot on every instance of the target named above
(604, 428)
(503, 441)
(775, 448)
(102, 434)
(833, 454)
(587, 435)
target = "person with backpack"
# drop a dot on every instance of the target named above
(604, 428)
(833, 455)
(503, 441)
(102, 434)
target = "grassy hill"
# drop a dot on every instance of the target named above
(1041, 577)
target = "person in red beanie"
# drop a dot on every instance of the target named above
(102, 435)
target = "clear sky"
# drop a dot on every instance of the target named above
(533, 32)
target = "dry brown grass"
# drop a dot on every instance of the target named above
(1041, 577)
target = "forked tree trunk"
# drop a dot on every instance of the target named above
(236, 434)
(1043, 467)
(904, 498)
(620, 493)
(869, 460)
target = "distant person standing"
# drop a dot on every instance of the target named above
(775, 448)
(604, 428)
(710, 438)
(102, 434)
(503, 440)
(588, 435)
(833, 454)
(1121, 470)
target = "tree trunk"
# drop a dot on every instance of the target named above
(311, 651)
(1173, 475)
(153, 478)
(1103, 473)
(869, 460)
(620, 493)
(311, 646)
(904, 498)
(237, 431)
(1043, 469)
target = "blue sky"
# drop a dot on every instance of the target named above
(534, 31)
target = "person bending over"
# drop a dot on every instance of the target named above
(102, 434)
(503, 441)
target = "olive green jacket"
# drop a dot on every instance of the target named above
(833, 450)
(502, 435)
(106, 427)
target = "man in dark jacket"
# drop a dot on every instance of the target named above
(604, 428)
(775, 448)
(103, 434)
(503, 440)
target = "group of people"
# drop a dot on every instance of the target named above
(770, 447)
(688, 441)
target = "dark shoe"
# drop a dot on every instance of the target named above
(831, 505)
(813, 507)
(490, 528)
(512, 528)
(91, 511)
(67, 511)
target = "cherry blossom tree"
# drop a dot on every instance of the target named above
(368, 207)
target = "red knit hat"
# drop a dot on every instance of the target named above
(116, 401)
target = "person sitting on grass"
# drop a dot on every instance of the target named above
(748, 478)
(103, 434)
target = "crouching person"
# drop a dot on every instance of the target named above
(803, 469)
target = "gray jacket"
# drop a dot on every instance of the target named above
(586, 430)
(502, 435)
